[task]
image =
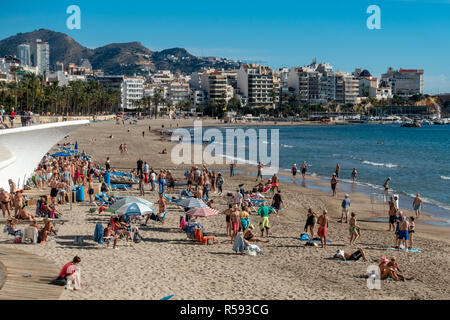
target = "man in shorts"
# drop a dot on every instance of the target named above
(264, 223)
(345, 208)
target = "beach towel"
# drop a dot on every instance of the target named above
(168, 297)
(409, 250)
(186, 194)
(98, 233)
(315, 240)
(238, 245)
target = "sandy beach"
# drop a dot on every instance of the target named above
(167, 263)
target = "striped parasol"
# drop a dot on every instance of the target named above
(202, 212)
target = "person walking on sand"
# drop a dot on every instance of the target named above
(353, 229)
(386, 188)
(264, 223)
(275, 183)
(334, 184)
(417, 205)
(354, 175)
(323, 228)
(277, 202)
(232, 170)
(345, 208)
(304, 168)
(259, 175)
(141, 185)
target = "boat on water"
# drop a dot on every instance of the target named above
(412, 125)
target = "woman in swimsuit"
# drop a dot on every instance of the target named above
(333, 184)
(311, 221)
(354, 230)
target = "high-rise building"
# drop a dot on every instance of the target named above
(42, 57)
(404, 82)
(24, 54)
(132, 91)
(255, 83)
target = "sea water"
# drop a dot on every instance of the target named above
(416, 159)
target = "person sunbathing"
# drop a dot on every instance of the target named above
(393, 265)
(49, 229)
(24, 215)
(390, 271)
(12, 224)
(355, 256)
(249, 235)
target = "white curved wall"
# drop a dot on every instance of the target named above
(21, 149)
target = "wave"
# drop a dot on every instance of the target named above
(445, 178)
(287, 146)
(376, 164)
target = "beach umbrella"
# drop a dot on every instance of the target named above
(202, 212)
(192, 203)
(134, 209)
(120, 203)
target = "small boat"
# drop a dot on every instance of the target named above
(412, 125)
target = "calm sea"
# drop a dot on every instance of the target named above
(416, 159)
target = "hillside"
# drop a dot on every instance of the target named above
(119, 58)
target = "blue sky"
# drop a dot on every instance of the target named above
(414, 34)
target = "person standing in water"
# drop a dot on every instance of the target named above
(338, 169)
(417, 205)
(354, 175)
(386, 187)
(304, 169)
(294, 172)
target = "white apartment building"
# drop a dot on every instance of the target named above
(132, 91)
(404, 82)
(162, 77)
(178, 92)
(255, 84)
(42, 57)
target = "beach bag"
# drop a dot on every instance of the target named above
(304, 237)
(137, 237)
(182, 223)
(18, 240)
(311, 244)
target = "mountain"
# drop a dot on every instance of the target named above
(117, 58)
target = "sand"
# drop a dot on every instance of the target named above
(167, 263)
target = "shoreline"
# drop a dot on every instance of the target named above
(293, 271)
(366, 188)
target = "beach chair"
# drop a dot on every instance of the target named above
(30, 233)
(155, 217)
(199, 237)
